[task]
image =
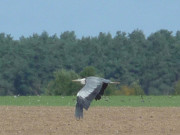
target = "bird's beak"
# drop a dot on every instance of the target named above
(77, 80)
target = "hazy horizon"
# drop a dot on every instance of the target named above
(87, 18)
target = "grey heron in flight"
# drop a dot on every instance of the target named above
(93, 89)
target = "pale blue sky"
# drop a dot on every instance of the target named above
(87, 17)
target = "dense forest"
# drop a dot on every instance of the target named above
(30, 65)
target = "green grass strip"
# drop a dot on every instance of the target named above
(127, 101)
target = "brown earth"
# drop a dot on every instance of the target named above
(97, 121)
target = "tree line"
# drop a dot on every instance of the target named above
(31, 65)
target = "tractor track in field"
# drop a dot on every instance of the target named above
(16, 120)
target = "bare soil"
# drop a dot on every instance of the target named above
(96, 121)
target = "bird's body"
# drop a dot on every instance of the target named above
(93, 89)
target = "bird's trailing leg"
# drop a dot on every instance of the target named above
(115, 82)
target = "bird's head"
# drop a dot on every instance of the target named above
(82, 81)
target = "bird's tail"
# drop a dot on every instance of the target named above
(79, 111)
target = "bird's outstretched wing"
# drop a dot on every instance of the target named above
(87, 94)
(98, 96)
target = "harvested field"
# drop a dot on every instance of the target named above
(97, 121)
